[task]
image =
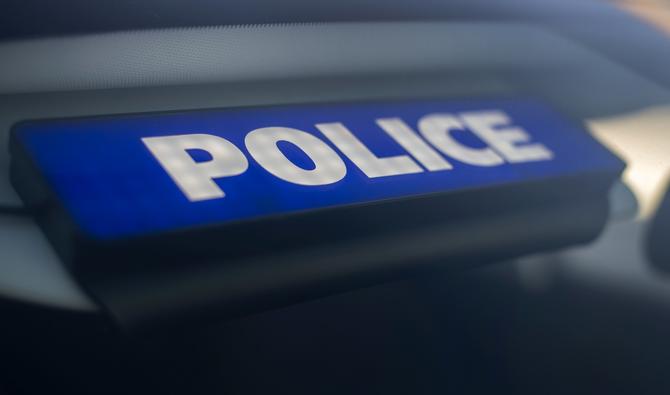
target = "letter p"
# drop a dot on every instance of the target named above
(195, 179)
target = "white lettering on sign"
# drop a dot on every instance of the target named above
(430, 147)
(495, 128)
(370, 164)
(262, 145)
(408, 139)
(195, 179)
(437, 130)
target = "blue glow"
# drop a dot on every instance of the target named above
(114, 187)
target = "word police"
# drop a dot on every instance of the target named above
(428, 148)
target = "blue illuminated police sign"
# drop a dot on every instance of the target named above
(505, 142)
(134, 175)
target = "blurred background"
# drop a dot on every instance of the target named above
(588, 319)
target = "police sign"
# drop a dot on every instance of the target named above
(505, 141)
(142, 176)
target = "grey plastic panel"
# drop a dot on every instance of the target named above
(30, 270)
(256, 53)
